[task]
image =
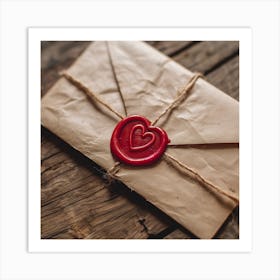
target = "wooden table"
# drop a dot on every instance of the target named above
(76, 202)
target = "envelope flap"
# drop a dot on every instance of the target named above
(94, 70)
(149, 81)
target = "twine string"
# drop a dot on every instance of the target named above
(111, 173)
(172, 161)
(89, 93)
(181, 96)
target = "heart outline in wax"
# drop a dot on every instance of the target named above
(145, 133)
(146, 154)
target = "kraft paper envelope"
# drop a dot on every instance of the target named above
(134, 78)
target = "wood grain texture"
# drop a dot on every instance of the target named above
(171, 48)
(226, 77)
(55, 57)
(76, 200)
(207, 56)
(177, 234)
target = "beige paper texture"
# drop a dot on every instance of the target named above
(134, 78)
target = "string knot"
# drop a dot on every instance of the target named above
(110, 175)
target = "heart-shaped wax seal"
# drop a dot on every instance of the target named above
(134, 141)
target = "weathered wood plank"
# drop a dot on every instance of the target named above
(171, 48)
(226, 77)
(75, 203)
(206, 56)
(177, 234)
(48, 148)
(55, 57)
(93, 211)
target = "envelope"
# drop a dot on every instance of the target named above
(134, 78)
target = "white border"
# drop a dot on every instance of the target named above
(244, 243)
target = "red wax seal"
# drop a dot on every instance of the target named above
(134, 141)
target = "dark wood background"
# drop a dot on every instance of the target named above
(76, 201)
